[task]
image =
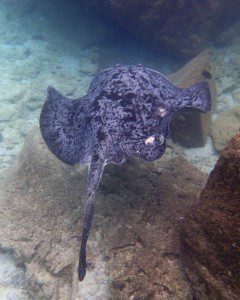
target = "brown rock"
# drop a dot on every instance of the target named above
(182, 27)
(225, 127)
(210, 233)
(191, 129)
(134, 244)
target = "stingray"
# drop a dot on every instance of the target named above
(126, 113)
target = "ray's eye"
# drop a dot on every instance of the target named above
(161, 139)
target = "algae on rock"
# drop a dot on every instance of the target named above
(226, 126)
(210, 233)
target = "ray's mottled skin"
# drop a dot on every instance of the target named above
(126, 113)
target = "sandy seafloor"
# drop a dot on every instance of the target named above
(40, 47)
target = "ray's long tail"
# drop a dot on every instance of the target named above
(94, 177)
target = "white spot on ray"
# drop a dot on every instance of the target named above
(162, 112)
(150, 140)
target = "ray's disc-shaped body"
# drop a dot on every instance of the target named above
(126, 113)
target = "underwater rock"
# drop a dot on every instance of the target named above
(225, 84)
(181, 27)
(236, 95)
(210, 233)
(225, 127)
(6, 113)
(228, 36)
(134, 244)
(13, 94)
(191, 129)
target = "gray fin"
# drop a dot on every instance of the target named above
(63, 127)
(197, 96)
(94, 177)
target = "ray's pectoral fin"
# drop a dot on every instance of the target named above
(94, 177)
(197, 96)
(63, 127)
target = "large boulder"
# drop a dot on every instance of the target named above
(182, 27)
(133, 250)
(226, 126)
(210, 233)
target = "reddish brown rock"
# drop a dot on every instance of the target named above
(226, 126)
(182, 27)
(210, 233)
(191, 129)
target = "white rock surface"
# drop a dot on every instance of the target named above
(12, 279)
(227, 60)
(203, 157)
